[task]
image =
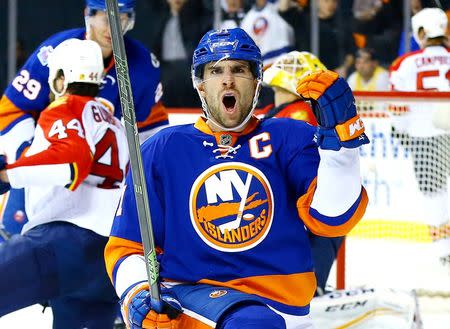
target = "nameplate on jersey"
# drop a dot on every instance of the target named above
(231, 206)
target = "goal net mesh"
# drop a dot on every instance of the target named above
(403, 240)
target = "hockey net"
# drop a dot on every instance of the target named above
(403, 240)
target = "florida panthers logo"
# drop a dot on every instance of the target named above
(231, 206)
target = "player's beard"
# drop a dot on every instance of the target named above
(218, 113)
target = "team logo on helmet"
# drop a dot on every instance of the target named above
(231, 206)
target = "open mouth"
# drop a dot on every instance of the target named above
(229, 101)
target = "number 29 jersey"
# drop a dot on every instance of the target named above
(75, 167)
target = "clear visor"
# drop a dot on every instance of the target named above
(236, 73)
(216, 72)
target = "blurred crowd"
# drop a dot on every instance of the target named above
(358, 39)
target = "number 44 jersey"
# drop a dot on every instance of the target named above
(75, 167)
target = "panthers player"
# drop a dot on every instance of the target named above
(72, 174)
(28, 93)
(230, 226)
(283, 76)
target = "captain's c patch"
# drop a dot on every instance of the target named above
(231, 206)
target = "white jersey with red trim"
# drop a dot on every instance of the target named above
(423, 70)
(426, 69)
(75, 167)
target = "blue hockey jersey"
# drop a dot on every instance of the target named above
(230, 209)
(28, 94)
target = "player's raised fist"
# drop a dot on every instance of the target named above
(334, 107)
(314, 85)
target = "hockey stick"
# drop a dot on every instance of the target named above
(140, 188)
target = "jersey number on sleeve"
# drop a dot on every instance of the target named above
(59, 128)
(428, 74)
(29, 87)
(111, 172)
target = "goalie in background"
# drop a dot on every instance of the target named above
(72, 174)
(424, 130)
(229, 228)
(283, 76)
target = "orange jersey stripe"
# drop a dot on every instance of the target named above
(185, 321)
(157, 114)
(322, 229)
(8, 112)
(290, 289)
(117, 248)
(182, 321)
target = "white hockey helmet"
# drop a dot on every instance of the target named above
(432, 20)
(79, 60)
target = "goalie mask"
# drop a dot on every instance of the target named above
(125, 7)
(290, 68)
(432, 20)
(228, 44)
(79, 61)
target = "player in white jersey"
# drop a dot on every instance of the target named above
(427, 69)
(272, 34)
(72, 174)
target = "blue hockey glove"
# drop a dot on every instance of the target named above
(140, 311)
(4, 187)
(335, 110)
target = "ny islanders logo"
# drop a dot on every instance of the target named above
(231, 206)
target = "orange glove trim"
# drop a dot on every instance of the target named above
(314, 85)
(159, 321)
(350, 129)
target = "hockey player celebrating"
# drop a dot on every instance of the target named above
(72, 174)
(27, 95)
(230, 226)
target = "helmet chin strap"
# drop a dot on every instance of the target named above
(240, 126)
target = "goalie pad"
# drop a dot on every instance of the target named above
(366, 308)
